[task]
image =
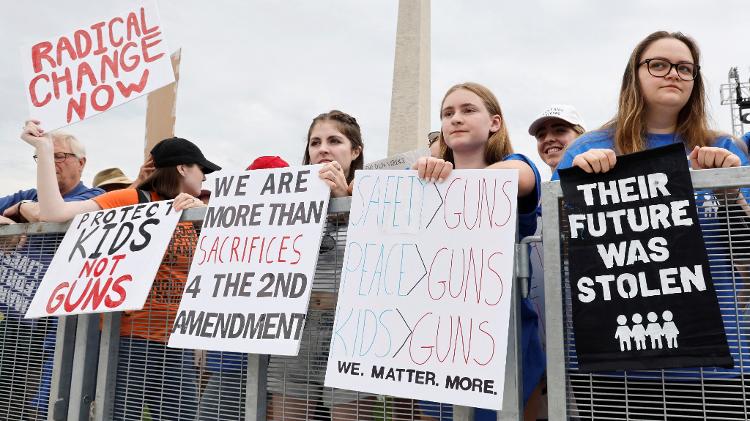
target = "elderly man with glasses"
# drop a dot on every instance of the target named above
(70, 158)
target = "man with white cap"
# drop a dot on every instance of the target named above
(556, 127)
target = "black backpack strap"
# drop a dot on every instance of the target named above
(143, 196)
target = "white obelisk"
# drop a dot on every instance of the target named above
(410, 100)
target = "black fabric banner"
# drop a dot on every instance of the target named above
(642, 292)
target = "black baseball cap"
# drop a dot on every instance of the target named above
(179, 151)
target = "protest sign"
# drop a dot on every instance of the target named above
(641, 285)
(400, 161)
(107, 261)
(96, 66)
(252, 273)
(23, 270)
(424, 299)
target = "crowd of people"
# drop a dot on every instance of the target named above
(661, 102)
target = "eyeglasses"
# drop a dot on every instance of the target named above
(59, 156)
(658, 67)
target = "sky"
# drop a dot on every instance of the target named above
(254, 73)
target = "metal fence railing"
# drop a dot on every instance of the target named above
(117, 366)
(707, 393)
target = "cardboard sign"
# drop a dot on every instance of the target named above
(96, 66)
(400, 161)
(424, 299)
(107, 261)
(252, 273)
(641, 286)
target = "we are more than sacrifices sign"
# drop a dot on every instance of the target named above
(425, 289)
(107, 261)
(96, 66)
(641, 286)
(252, 272)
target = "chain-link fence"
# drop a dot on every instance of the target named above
(675, 394)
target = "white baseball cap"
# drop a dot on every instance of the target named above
(561, 111)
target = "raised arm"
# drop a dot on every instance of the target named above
(52, 207)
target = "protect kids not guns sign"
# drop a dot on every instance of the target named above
(252, 273)
(107, 261)
(96, 66)
(641, 284)
(424, 299)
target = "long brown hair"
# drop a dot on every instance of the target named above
(166, 182)
(629, 124)
(498, 143)
(349, 127)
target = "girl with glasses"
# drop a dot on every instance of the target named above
(662, 101)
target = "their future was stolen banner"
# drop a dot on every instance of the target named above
(96, 66)
(424, 298)
(643, 296)
(107, 261)
(252, 272)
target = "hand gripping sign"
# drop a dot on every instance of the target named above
(424, 299)
(640, 278)
(107, 261)
(96, 66)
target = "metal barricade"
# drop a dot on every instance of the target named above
(117, 366)
(655, 394)
(29, 386)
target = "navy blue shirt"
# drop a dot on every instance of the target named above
(79, 192)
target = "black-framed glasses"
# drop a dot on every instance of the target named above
(59, 156)
(659, 67)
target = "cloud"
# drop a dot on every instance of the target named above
(255, 73)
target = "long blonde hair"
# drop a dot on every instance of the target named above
(629, 124)
(498, 143)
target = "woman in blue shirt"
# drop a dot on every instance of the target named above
(662, 101)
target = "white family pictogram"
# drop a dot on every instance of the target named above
(652, 330)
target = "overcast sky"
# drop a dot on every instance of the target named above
(254, 73)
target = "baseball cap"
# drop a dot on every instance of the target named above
(264, 162)
(179, 151)
(563, 112)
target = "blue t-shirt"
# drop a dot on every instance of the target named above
(719, 266)
(746, 139)
(527, 205)
(79, 192)
(602, 139)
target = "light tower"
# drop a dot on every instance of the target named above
(736, 94)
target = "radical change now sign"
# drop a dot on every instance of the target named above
(252, 272)
(641, 286)
(96, 66)
(107, 261)
(424, 298)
